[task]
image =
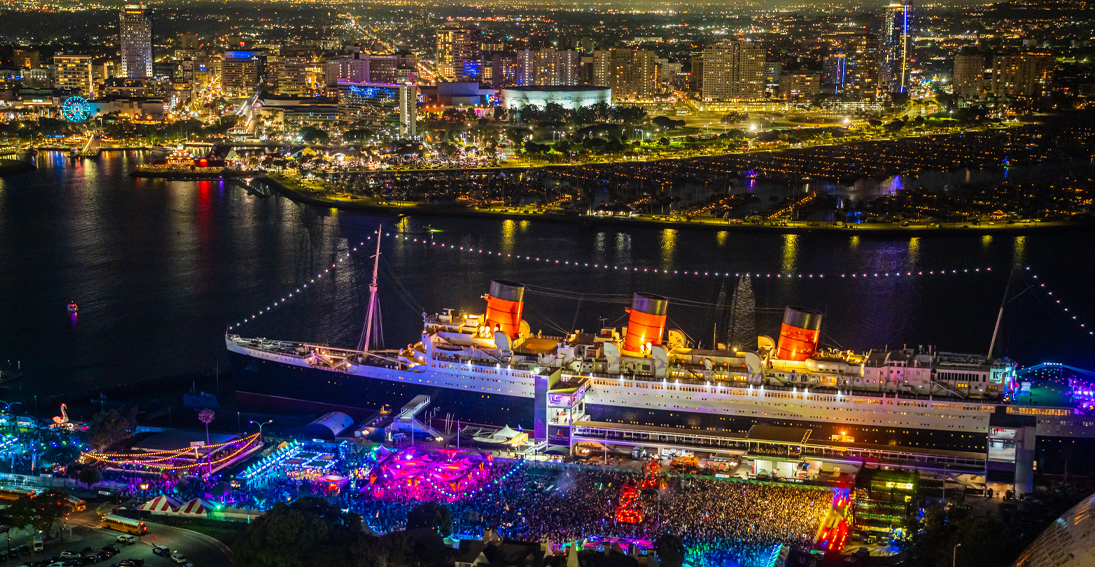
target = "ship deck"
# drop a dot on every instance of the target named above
(795, 446)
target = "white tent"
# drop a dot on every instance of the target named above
(161, 505)
(504, 434)
(196, 507)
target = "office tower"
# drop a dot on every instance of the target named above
(240, 72)
(458, 50)
(851, 69)
(74, 73)
(796, 84)
(26, 58)
(1022, 75)
(895, 47)
(408, 110)
(135, 38)
(550, 67)
(632, 74)
(733, 70)
(968, 79)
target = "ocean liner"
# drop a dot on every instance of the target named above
(491, 368)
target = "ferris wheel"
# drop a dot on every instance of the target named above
(75, 109)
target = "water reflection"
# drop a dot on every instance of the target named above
(623, 248)
(721, 236)
(1019, 254)
(509, 232)
(669, 245)
(914, 252)
(790, 253)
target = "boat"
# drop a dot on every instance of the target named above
(73, 308)
(491, 368)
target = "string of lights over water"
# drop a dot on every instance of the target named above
(162, 269)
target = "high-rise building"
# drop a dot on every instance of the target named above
(796, 84)
(241, 71)
(458, 53)
(26, 58)
(632, 74)
(1022, 75)
(74, 73)
(733, 70)
(360, 67)
(895, 54)
(135, 35)
(968, 78)
(851, 69)
(408, 110)
(550, 67)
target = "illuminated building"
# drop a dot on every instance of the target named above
(851, 70)
(969, 74)
(135, 32)
(568, 97)
(240, 72)
(796, 84)
(550, 67)
(896, 45)
(631, 74)
(74, 73)
(733, 70)
(360, 67)
(1022, 75)
(25, 58)
(458, 53)
(408, 110)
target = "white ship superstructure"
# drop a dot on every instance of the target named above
(647, 375)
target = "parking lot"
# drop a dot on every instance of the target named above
(199, 550)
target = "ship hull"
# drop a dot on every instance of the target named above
(290, 383)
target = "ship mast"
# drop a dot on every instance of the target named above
(1000, 315)
(366, 334)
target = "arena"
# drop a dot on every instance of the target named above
(569, 97)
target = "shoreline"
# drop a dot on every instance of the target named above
(879, 229)
(10, 166)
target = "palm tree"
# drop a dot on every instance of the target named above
(206, 416)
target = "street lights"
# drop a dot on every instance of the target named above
(260, 424)
(954, 554)
(7, 410)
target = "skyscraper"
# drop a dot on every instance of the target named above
(1022, 75)
(458, 53)
(896, 44)
(408, 110)
(632, 74)
(851, 69)
(969, 74)
(733, 70)
(74, 72)
(135, 31)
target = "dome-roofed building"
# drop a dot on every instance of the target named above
(1067, 542)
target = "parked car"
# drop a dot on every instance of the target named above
(178, 557)
(70, 555)
(161, 550)
(127, 539)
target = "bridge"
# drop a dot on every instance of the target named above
(407, 421)
(92, 148)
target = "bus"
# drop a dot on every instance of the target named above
(75, 504)
(15, 493)
(126, 525)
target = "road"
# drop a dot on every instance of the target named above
(200, 549)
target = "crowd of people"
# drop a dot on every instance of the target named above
(720, 521)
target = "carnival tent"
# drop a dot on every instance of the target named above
(196, 507)
(161, 505)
